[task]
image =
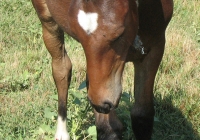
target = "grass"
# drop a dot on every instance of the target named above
(28, 98)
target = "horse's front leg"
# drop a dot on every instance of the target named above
(53, 38)
(108, 126)
(142, 114)
(61, 68)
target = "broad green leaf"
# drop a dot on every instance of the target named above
(69, 116)
(82, 85)
(156, 119)
(92, 130)
(77, 94)
(77, 101)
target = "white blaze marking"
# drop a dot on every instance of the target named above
(88, 21)
(61, 133)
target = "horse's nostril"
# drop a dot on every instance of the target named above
(108, 105)
(104, 108)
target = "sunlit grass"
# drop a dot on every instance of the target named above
(28, 98)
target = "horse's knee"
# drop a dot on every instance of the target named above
(108, 126)
(142, 122)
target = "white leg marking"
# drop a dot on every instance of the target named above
(88, 21)
(61, 133)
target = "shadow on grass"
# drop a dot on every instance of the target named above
(169, 121)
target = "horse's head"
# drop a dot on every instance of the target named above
(106, 31)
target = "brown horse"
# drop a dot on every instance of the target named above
(112, 32)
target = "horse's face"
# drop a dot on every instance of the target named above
(106, 42)
(104, 69)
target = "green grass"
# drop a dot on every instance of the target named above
(28, 98)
